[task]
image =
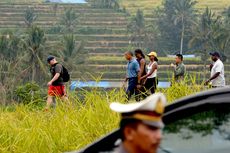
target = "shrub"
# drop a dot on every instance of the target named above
(29, 93)
(54, 30)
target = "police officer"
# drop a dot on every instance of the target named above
(141, 124)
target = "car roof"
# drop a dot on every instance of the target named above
(184, 105)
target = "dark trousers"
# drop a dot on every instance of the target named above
(132, 88)
(150, 85)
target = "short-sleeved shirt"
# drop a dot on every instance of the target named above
(149, 68)
(218, 66)
(179, 71)
(57, 68)
(132, 68)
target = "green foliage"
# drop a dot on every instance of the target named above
(184, 88)
(9, 74)
(210, 34)
(90, 30)
(36, 38)
(69, 19)
(71, 52)
(137, 28)
(174, 22)
(54, 30)
(113, 4)
(9, 45)
(30, 93)
(69, 46)
(30, 16)
(184, 13)
(226, 31)
(34, 43)
(137, 24)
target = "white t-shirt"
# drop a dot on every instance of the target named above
(149, 68)
(218, 66)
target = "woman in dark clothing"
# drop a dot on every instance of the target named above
(141, 60)
(142, 63)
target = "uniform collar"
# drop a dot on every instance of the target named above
(179, 63)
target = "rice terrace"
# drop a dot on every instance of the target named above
(90, 38)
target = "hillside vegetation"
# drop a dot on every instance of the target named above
(91, 40)
(148, 5)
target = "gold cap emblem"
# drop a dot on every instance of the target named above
(159, 107)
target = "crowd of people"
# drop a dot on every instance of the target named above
(141, 75)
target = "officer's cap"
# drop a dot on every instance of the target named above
(149, 111)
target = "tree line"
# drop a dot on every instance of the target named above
(178, 27)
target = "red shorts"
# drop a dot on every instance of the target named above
(57, 91)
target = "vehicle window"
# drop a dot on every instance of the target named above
(204, 132)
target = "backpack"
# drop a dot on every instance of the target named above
(65, 74)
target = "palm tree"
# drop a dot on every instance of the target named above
(72, 52)
(30, 16)
(9, 45)
(69, 19)
(184, 13)
(226, 22)
(137, 27)
(34, 44)
(211, 33)
(226, 14)
(202, 33)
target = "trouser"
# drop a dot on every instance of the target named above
(132, 88)
(150, 84)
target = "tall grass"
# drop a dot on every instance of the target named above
(70, 126)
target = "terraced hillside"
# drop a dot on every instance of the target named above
(148, 5)
(104, 31)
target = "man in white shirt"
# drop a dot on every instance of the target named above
(217, 72)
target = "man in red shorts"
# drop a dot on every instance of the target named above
(56, 87)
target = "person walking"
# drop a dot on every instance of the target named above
(56, 86)
(140, 57)
(179, 68)
(151, 76)
(217, 78)
(141, 125)
(132, 76)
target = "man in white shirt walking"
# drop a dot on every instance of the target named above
(217, 71)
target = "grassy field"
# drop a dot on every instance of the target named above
(72, 125)
(68, 127)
